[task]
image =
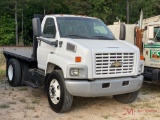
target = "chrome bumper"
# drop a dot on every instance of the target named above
(104, 87)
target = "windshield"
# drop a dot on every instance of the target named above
(83, 28)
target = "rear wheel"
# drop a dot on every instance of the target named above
(127, 98)
(14, 72)
(59, 98)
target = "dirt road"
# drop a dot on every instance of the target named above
(20, 103)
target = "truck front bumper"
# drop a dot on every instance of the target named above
(104, 87)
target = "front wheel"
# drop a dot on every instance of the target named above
(59, 98)
(127, 98)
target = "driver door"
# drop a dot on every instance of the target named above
(44, 49)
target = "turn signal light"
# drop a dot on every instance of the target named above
(141, 57)
(77, 59)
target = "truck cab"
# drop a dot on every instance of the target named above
(78, 56)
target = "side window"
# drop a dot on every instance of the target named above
(49, 30)
(157, 33)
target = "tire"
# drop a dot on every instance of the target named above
(127, 98)
(60, 100)
(14, 72)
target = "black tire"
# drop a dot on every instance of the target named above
(127, 98)
(65, 100)
(14, 72)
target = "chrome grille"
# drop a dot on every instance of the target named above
(105, 60)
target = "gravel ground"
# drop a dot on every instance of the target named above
(26, 103)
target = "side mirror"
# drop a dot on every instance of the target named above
(36, 25)
(151, 42)
(150, 33)
(122, 34)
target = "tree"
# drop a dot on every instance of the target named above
(95, 8)
(78, 7)
(101, 9)
(16, 15)
(6, 30)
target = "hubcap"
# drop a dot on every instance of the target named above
(10, 72)
(54, 91)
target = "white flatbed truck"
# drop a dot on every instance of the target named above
(76, 56)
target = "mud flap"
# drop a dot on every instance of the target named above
(156, 75)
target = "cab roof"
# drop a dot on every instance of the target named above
(66, 15)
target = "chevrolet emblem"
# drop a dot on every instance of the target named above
(116, 64)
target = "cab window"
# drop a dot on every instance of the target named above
(157, 33)
(49, 30)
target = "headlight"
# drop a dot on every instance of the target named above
(74, 72)
(141, 67)
(77, 71)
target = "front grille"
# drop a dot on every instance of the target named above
(105, 61)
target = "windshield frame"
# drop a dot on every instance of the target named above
(99, 36)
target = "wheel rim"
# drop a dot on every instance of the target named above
(10, 72)
(54, 91)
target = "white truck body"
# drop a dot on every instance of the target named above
(90, 52)
(76, 63)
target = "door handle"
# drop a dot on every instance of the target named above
(39, 42)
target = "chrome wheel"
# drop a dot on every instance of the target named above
(10, 72)
(54, 91)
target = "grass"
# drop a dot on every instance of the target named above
(22, 88)
(3, 106)
(2, 66)
(105, 116)
(30, 107)
(2, 73)
(139, 100)
(9, 93)
(145, 91)
(22, 100)
(143, 105)
(147, 105)
(11, 102)
(36, 101)
(134, 105)
(157, 116)
(2, 59)
(36, 94)
(151, 87)
(36, 116)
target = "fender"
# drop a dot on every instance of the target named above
(57, 60)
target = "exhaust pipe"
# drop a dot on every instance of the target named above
(141, 20)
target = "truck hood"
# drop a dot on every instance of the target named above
(101, 45)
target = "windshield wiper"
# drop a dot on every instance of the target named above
(103, 37)
(79, 36)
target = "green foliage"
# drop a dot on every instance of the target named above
(101, 9)
(96, 8)
(7, 30)
(107, 10)
(78, 7)
(3, 106)
(149, 7)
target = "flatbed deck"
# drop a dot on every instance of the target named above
(21, 54)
